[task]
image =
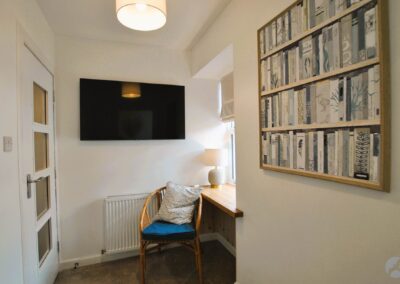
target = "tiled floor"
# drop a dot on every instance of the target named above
(171, 266)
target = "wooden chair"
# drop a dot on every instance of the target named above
(186, 234)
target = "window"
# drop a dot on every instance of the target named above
(231, 145)
(227, 116)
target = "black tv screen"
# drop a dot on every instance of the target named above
(114, 110)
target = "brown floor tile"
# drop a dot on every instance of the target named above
(172, 266)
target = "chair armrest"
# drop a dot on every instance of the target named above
(198, 217)
(144, 215)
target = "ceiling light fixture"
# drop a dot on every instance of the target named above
(142, 15)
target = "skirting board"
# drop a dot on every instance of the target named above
(100, 258)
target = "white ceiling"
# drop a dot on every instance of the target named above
(186, 21)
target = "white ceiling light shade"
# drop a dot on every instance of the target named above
(142, 15)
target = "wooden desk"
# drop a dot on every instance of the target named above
(224, 198)
(220, 212)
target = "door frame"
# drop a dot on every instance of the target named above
(25, 41)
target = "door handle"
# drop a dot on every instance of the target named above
(29, 182)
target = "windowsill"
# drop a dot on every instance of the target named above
(224, 198)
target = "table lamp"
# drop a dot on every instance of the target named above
(215, 158)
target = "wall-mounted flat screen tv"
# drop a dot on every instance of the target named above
(114, 110)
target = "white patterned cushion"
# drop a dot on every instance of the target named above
(178, 203)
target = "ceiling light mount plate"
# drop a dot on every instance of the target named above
(142, 15)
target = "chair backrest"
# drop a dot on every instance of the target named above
(159, 194)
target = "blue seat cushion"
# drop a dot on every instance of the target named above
(160, 230)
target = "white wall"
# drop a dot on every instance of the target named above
(296, 229)
(90, 171)
(29, 16)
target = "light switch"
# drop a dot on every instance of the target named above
(7, 144)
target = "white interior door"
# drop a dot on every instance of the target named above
(38, 196)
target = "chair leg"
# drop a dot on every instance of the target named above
(195, 256)
(198, 258)
(142, 262)
(145, 259)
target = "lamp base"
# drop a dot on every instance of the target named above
(215, 186)
(216, 177)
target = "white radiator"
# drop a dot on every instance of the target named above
(121, 222)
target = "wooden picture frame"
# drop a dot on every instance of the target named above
(381, 125)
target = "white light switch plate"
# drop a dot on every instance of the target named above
(7, 144)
